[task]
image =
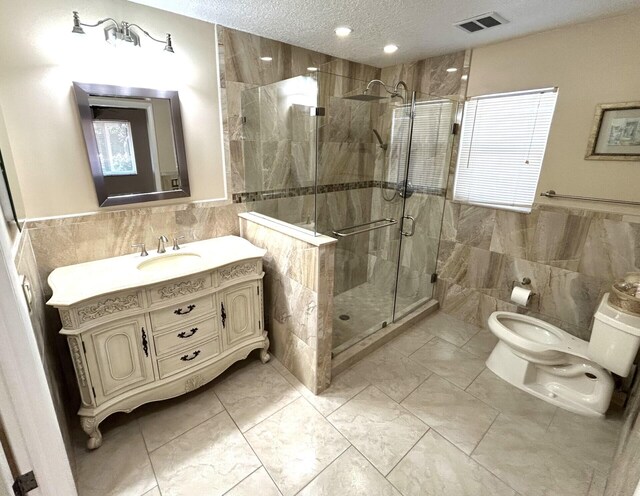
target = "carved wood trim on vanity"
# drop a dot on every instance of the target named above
(181, 288)
(108, 306)
(163, 340)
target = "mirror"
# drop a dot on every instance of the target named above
(134, 141)
(7, 203)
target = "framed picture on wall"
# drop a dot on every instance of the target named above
(616, 132)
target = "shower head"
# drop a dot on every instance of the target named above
(364, 97)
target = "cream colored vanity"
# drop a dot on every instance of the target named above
(143, 329)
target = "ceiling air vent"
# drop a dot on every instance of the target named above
(481, 22)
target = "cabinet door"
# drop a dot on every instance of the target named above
(119, 357)
(239, 314)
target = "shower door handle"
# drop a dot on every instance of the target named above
(413, 226)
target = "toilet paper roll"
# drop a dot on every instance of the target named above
(521, 296)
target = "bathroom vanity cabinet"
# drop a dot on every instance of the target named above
(158, 336)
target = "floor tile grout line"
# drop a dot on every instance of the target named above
(246, 477)
(272, 414)
(485, 433)
(378, 470)
(254, 454)
(401, 406)
(478, 375)
(338, 407)
(405, 455)
(414, 389)
(153, 469)
(555, 412)
(325, 468)
(224, 410)
(593, 475)
(325, 419)
(470, 455)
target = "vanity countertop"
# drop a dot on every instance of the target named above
(75, 283)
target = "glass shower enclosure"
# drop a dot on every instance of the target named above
(365, 163)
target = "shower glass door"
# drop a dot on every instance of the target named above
(325, 154)
(356, 206)
(427, 171)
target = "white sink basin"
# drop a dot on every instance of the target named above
(174, 261)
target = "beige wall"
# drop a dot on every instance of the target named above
(591, 63)
(39, 58)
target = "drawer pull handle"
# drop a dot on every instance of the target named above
(145, 343)
(184, 334)
(223, 315)
(180, 312)
(187, 358)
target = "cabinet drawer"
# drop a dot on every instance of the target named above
(186, 336)
(190, 357)
(178, 313)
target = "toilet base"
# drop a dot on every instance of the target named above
(578, 385)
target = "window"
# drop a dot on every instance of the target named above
(428, 167)
(502, 145)
(115, 147)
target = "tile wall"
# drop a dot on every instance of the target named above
(298, 298)
(570, 255)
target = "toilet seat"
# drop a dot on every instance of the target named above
(537, 340)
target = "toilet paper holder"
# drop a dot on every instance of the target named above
(525, 282)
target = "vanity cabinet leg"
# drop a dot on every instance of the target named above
(264, 352)
(90, 427)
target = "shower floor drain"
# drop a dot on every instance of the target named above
(344, 316)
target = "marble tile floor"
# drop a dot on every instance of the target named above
(419, 416)
(367, 305)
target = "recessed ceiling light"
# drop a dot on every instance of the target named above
(312, 69)
(266, 59)
(465, 77)
(343, 31)
(390, 48)
(452, 69)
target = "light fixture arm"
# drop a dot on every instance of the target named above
(77, 23)
(120, 30)
(147, 33)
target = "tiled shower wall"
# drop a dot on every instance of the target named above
(570, 255)
(271, 146)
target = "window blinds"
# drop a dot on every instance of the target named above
(428, 166)
(502, 145)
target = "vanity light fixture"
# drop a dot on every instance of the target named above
(123, 31)
(343, 31)
(266, 59)
(312, 69)
(390, 49)
(452, 69)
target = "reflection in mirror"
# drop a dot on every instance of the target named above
(135, 143)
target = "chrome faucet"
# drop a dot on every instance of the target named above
(176, 246)
(143, 251)
(161, 241)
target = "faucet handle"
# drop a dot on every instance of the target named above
(143, 251)
(176, 246)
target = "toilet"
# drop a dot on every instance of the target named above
(553, 365)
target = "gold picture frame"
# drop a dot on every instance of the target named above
(616, 132)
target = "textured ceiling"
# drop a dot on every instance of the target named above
(421, 28)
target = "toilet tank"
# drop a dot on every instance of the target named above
(615, 338)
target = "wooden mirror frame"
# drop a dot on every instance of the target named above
(82, 93)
